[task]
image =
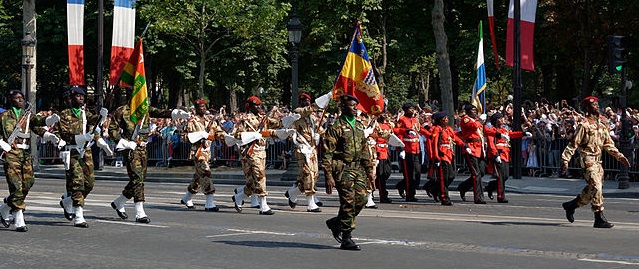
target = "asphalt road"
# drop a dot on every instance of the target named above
(529, 232)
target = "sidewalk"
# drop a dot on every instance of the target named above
(235, 176)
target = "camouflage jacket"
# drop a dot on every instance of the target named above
(346, 144)
(251, 122)
(122, 120)
(9, 122)
(306, 126)
(591, 138)
(204, 123)
(71, 125)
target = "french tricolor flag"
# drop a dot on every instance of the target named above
(75, 28)
(123, 37)
(527, 30)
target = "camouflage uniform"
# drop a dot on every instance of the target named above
(254, 163)
(18, 165)
(346, 157)
(80, 177)
(201, 153)
(304, 141)
(590, 139)
(135, 160)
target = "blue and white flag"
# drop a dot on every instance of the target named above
(479, 90)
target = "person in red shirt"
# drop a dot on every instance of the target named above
(408, 129)
(383, 165)
(472, 132)
(442, 141)
(499, 155)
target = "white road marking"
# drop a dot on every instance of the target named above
(609, 261)
(132, 223)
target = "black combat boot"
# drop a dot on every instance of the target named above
(333, 225)
(490, 188)
(601, 221)
(348, 243)
(570, 207)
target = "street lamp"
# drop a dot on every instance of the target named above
(28, 50)
(294, 28)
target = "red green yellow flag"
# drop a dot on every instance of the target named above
(133, 75)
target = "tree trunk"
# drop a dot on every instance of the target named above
(443, 61)
(232, 99)
(200, 86)
(380, 68)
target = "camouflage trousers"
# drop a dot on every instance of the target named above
(307, 178)
(592, 194)
(135, 161)
(202, 177)
(80, 177)
(254, 167)
(18, 168)
(351, 186)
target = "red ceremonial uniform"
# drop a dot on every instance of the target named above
(441, 142)
(402, 130)
(472, 133)
(499, 147)
(381, 145)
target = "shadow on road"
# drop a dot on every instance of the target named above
(271, 244)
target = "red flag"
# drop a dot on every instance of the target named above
(527, 30)
(356, 77)
(491, 24)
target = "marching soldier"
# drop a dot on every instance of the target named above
(442, 141)
(74, 126)
(591, 138)
(383, 170)
(17, 125)
(472, 132)
(407, 129)
(201, 131)
(499, 155)
(347, 165)
(307, 131)
(131, 140)
(253, 130)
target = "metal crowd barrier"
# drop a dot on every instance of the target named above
(548, 155)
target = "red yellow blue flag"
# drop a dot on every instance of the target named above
(356, 77)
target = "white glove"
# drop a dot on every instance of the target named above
(469, 151)
(51, 120)
(323, 100)
(283, 133)
(61, 144)
(402, 154)
(505, 137)
(4, 145)
(412, 133)
(125, 144)
(179, 114)
(368, 131)
(103, 145)
(47, 136)
(316, 138)
(498, 159)
(98, 130)
(482, 117)
(104, 112)
(528, 134)
(83, 138)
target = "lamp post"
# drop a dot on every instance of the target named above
(28, 43)
(294, 28)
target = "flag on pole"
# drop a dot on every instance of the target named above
(75, 28)
(133, 75)
(356, 77)
(491, 25)
(123, 36)
(479, 90)
(527, 30)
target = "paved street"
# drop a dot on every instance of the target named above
(530, 232)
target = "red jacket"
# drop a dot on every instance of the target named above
(441, 143)
(382, 144)
(402, 130)
(498, 146)
(472, 132)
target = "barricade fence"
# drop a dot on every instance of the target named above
(544, 159)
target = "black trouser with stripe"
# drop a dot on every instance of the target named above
(412, 169)
(383, 173)
(501, 172)
(476, 167)
(445, 176)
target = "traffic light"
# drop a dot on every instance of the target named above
(616, 53)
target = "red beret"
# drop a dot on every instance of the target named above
(304, 95)
(199, 102)
(590, 99)
(254, 100)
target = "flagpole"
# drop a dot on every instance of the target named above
(516, 143)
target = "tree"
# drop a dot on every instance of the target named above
(443, 61)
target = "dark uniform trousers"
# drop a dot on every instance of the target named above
(412, 169)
